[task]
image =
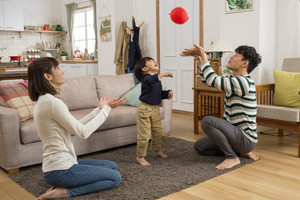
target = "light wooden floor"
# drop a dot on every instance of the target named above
(275, 176)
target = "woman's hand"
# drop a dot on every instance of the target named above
(104, 100)
(117, 102)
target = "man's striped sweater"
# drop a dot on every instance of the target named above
(240, 99)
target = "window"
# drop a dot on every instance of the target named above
(83, 34)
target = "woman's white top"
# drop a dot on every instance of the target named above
(55, 124)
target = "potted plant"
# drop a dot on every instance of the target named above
(63, 55)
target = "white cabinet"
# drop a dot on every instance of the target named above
(69, 70)
(81, 69)
(12, 16)
(92, 69)
(78, 69)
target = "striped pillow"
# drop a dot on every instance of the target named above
(15, 95)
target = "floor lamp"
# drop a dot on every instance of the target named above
(220, 47)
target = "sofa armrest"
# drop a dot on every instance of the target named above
(167, 116)
(9, 135)
(265, 94)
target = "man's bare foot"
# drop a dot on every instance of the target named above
(161, 154)
(54, 193)
(250, 155)
(229, 163)
(142, 161)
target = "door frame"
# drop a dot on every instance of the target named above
(158, 30)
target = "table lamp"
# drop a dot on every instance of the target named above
(220, 47)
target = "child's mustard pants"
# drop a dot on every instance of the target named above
(148, 121)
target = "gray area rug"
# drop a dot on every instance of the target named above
(183, 168)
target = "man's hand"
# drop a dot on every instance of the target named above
(170, 95)
(117, 102)
(195, 51)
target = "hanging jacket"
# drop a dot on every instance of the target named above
(134, 47)
(122, 49)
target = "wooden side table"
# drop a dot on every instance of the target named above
(207, 101)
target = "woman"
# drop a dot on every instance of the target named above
(55, 124)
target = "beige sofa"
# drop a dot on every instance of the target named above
(20, 144)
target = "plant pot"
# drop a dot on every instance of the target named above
(63, 58)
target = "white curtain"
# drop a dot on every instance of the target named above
(288, 30)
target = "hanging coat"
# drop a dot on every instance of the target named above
(122, 49)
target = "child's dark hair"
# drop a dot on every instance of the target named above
(138, 67)
(249, 53)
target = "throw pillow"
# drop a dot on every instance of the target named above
(287, 87)
(133, 96)
(16, 96)
(2, 102)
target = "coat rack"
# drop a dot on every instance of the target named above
(138, 26)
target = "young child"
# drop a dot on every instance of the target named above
(148, 115)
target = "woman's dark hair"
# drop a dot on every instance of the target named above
(37, 83)
(138, 67)
(249, 53)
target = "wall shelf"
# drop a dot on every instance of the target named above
(50, 32)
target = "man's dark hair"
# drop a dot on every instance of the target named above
(37, 83)
(138, 67)
(249, 53)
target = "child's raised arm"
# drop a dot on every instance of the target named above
(167, 74)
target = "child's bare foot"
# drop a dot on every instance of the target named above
(250, 155)
(161, 154)
(229, 163)
(142, 161)
(54, 193)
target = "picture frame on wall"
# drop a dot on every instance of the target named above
(105, 28)
(234, 6)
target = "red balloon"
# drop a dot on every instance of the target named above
(179, 15)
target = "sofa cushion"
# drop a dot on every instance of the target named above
(287, 88)
(79, 93)
(15, 95)
(118, 117)
(278, 112)
(28, 132)
(114, 85)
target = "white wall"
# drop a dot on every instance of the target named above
(212, 20)
(123, 10)
(145, 10)
(288, 30)
(267, 41)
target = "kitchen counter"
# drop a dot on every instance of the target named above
(8, 75)
(77, 61)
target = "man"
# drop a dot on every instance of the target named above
(236, 133)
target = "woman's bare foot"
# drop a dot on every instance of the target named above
(229, 163)
(142, 161)
(53, 193)
(250, 155)
(161, 154)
